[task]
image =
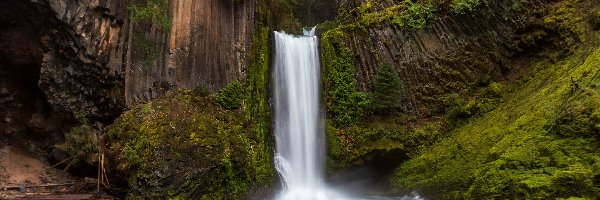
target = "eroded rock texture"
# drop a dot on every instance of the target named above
(81, 68)
(55, 63)
(86, 55)
(450, 54)
(62, 60)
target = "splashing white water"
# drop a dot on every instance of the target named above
(299, 133)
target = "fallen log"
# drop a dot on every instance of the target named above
(18, 187)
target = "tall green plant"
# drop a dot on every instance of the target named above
(388, 90)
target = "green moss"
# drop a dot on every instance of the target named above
(343, 100)
(404, 15)
(186, 146)
(509, 152)
(231, 96)
(360, 143)
(464, 6)
(154, 11)
(258, 109)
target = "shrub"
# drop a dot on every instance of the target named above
(580, 118)
(456, 107)
(156, 11)
(387, 91)
(80, 144)
(418, 14)
(595, 19)
(231, 96)
(201, 91)
(464, 6)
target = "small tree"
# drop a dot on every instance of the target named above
(231, 96)
(387, 91)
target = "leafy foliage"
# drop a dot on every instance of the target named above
(464, 6)
(415, 16)
(155, 11)
(344, 101)
(146, 49)
(231, 96)
(386, 96)
(80, 144)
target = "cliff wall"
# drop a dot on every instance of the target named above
(206, 45)
(435, 51)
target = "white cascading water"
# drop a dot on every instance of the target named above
(298, 122)
(299, 133)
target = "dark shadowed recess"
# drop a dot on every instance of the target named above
(371, 177)
(27, 120)
(312, 12)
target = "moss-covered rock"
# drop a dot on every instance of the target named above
(187, 146)
(539, 143)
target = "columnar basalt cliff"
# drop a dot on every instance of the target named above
(207, 45)
(89, 61)
(450, 53)
(69, 62)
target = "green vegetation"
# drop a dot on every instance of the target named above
(146, 49)
(404, 15)
(464, 6)
(345, 103)
(529, 147)
(257, 108)
(186, 146)
(153, 11)
(197, 145)
(143, 14)
(388, 90)
(231, 96)
(532, 138)
(80, 144)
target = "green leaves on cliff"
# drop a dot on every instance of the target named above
(343, 100)
(231, 96)
(404, 15)
(151, 11)
(464, 6)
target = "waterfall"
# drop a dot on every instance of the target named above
(299, 129)
(298, 121)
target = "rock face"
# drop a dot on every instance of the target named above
(55, 63)
(81, 66)
(87, 59)
(63, 60)
(450, 54)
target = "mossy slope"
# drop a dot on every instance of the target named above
(541, 142)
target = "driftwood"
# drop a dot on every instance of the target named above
(34, 186)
